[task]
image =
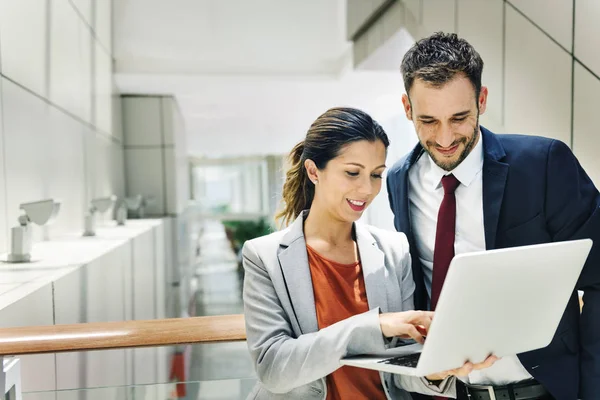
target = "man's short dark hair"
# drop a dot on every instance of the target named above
(437, 59)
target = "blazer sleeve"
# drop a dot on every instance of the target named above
(284, 362)
(572, 212)
(405, 274)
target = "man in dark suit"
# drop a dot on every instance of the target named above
(464, 188)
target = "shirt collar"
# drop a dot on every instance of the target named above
(466, 171)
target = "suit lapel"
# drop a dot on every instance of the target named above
(372, 262)
(293, 260)
(401, 196)
(495, 173)
(402, 212)
(403, 204)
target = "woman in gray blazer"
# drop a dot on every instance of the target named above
(299, 320)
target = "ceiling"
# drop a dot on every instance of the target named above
(249, 75)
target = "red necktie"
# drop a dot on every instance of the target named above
(444, 241)
(444, 237)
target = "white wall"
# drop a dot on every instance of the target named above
(156, 165)
(402, 138)
(155, 153)
(56, 98)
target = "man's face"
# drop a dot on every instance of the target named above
(446, 118)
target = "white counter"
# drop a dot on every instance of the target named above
(119, 274)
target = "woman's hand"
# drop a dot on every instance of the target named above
(465, 370)
(406, 324)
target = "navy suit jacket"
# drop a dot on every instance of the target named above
(534, 191)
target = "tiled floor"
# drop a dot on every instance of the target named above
(225, 369)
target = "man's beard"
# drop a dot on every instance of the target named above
(449, 165)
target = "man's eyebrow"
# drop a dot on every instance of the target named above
(458, 114)
(462, 113)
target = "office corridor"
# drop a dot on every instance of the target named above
(224, 370)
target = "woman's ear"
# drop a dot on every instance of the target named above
(311, 171)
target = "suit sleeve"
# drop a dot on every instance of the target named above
(284, 362)
(572, 212)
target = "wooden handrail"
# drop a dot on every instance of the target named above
(124, 334)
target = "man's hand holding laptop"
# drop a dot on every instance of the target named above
(465, 370)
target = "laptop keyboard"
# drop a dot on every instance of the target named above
(409, 360)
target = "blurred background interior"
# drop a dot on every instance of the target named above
(184, 111)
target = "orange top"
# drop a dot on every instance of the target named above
(340, 293)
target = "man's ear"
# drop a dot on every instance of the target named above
(407, 106)
(482, 100)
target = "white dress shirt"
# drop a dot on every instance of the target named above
(425, 197)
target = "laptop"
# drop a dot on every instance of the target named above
(500, 302)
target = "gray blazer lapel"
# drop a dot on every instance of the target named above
(372, 261)
(293, 260)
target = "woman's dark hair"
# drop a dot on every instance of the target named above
(324, 141)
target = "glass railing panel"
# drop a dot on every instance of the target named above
(226, 389)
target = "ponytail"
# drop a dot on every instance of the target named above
(298, 191)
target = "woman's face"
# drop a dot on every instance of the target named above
(349, 182)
